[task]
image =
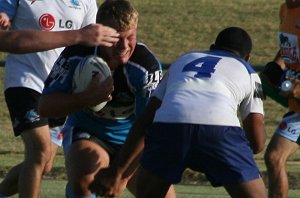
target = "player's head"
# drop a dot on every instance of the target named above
(122, 16)
(118, 13)
(235, 40)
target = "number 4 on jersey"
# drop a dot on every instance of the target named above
(204, 66)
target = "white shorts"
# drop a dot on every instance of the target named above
(290, 127)
(67, 138)
(56, 135)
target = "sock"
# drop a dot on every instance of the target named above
(71, 194)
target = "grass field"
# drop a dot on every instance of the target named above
(55, 189)
(170, 28)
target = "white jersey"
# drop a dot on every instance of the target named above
(208, 88)
(31, 70)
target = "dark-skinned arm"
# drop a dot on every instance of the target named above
(253, 125)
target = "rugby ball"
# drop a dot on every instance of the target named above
(85, 71)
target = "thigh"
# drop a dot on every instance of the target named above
(252, 189)
(22, 104)
(37, 140)
(150, 185)
(84, 159)
(281, 147)
(166, 147)
(223, 154)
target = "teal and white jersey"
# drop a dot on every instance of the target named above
(133, 84)
(31, 70)
(208, 88)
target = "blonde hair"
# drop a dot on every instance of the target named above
(119, 12)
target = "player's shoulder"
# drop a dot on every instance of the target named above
(145, 58)
(77, 50)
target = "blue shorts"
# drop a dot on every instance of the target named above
(222, 153)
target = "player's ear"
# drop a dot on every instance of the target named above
(247, 58)
(212, 47)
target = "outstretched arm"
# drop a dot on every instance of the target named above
(27, 41)
(112, 181)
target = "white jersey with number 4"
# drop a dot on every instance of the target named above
(208, 88)
(31, 70)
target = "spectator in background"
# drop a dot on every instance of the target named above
(98, 136)
(283, 73)
(191, 122)
(25, 74)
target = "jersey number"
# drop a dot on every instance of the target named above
(204, 66)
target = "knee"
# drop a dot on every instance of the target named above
(273, 160)
(48, 167)
(39, 157)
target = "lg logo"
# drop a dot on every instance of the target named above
(47, 22)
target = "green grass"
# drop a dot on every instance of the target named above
(55, 189)
(171, 28)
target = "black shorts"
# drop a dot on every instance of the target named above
(111, 148)
(22, 105)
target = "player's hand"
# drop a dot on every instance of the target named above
(98, 34)
(4, 21)
(98, 92)
(108, 184)
(296, 89)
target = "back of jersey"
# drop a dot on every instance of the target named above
(208, 88)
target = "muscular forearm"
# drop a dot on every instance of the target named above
(255, 132)
(27, 41)
(61, 104)
(128, 159)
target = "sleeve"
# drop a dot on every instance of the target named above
(9, 7)
(149, 84)
(90, 16)
(253, 102)
(161, 88)
(60, 78)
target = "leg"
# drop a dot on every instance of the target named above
(25, 178)
(149, 185)
(84, 159)
(132, 186)
(250, 189)
(277, 153)
(9, 185)
(37, 155)
(49, 164)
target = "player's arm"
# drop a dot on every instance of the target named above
(27, 41)
(252, 114)
(253, 125)
(58, 104)
(112, 181)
